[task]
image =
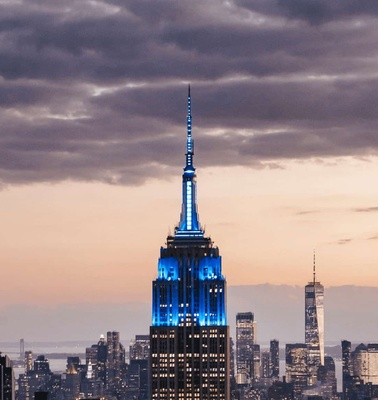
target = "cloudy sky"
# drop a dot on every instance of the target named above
(92, 141)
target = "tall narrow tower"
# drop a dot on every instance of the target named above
(314, 326)
(245, 339)
(189, 353)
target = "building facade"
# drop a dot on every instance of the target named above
(189, 353)
(7, 382)
(275, 358)
(296, 367)
(314, 326)
(245, 339)
(365, 362)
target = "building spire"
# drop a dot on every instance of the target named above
(313, 271)
(189, 139)
(189, 221)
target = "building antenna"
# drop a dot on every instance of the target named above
(314, 268)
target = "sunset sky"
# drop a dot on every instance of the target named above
(92, 141)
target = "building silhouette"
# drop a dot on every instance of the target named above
(265, 365)
(314, 326)
(274, 358)
(347, 367)
(189, 354)
(296, 367)
(137, 373)
(364, 360)
(245, 339)
(327, 377)
(28, 361)
(256, 374)
(7, 382)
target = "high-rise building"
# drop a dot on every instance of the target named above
(189, 353)
(137, 373)
(327, 377)
(140, 348)
(245, 339)
(115, 364)
(28, 361)
(314, 326)
(365, 362)
(22, 349)
(275, 358)
(102, 354)
(347, 368)
(296, 367)
(265, 365)
(7, 382)
(35, 378)
(256, 374)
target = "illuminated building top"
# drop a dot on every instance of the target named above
(314, 325)
(190, 287)
(189, 225)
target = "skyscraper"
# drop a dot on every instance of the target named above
(7, 382)
(347, 367)
(296, 367)
(189, 354)
(365, 362)
(314, 326)
(275, 358)
(245, 339)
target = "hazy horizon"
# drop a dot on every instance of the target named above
(278, 310)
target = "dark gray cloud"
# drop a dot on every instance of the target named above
(96, 91)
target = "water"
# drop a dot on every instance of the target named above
(57, 364)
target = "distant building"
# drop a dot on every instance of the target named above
(275, 358)
(35, 379)
(281, 390)
(314, 327)
(347, 374)
(7, 382)
(245, 339)
(71, 385)
(22, 349)
(256, 374)
(90, 386)
(265, 364)
(296, 367)
(140, 347)
(42, 365)
(365, 362)
(137, 374)
(28, 361)
(327, 377)
(102, 354)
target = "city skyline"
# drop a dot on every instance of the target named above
(286, 143)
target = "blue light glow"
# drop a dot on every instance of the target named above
(189, 289)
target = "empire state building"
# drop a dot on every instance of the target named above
(189, 352)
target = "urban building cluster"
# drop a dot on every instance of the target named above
(105, 373)
(189, 353)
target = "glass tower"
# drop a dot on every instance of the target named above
(189, 353)
(245, 339)
(314, 326)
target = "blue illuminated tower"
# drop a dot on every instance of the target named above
(189, 353)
